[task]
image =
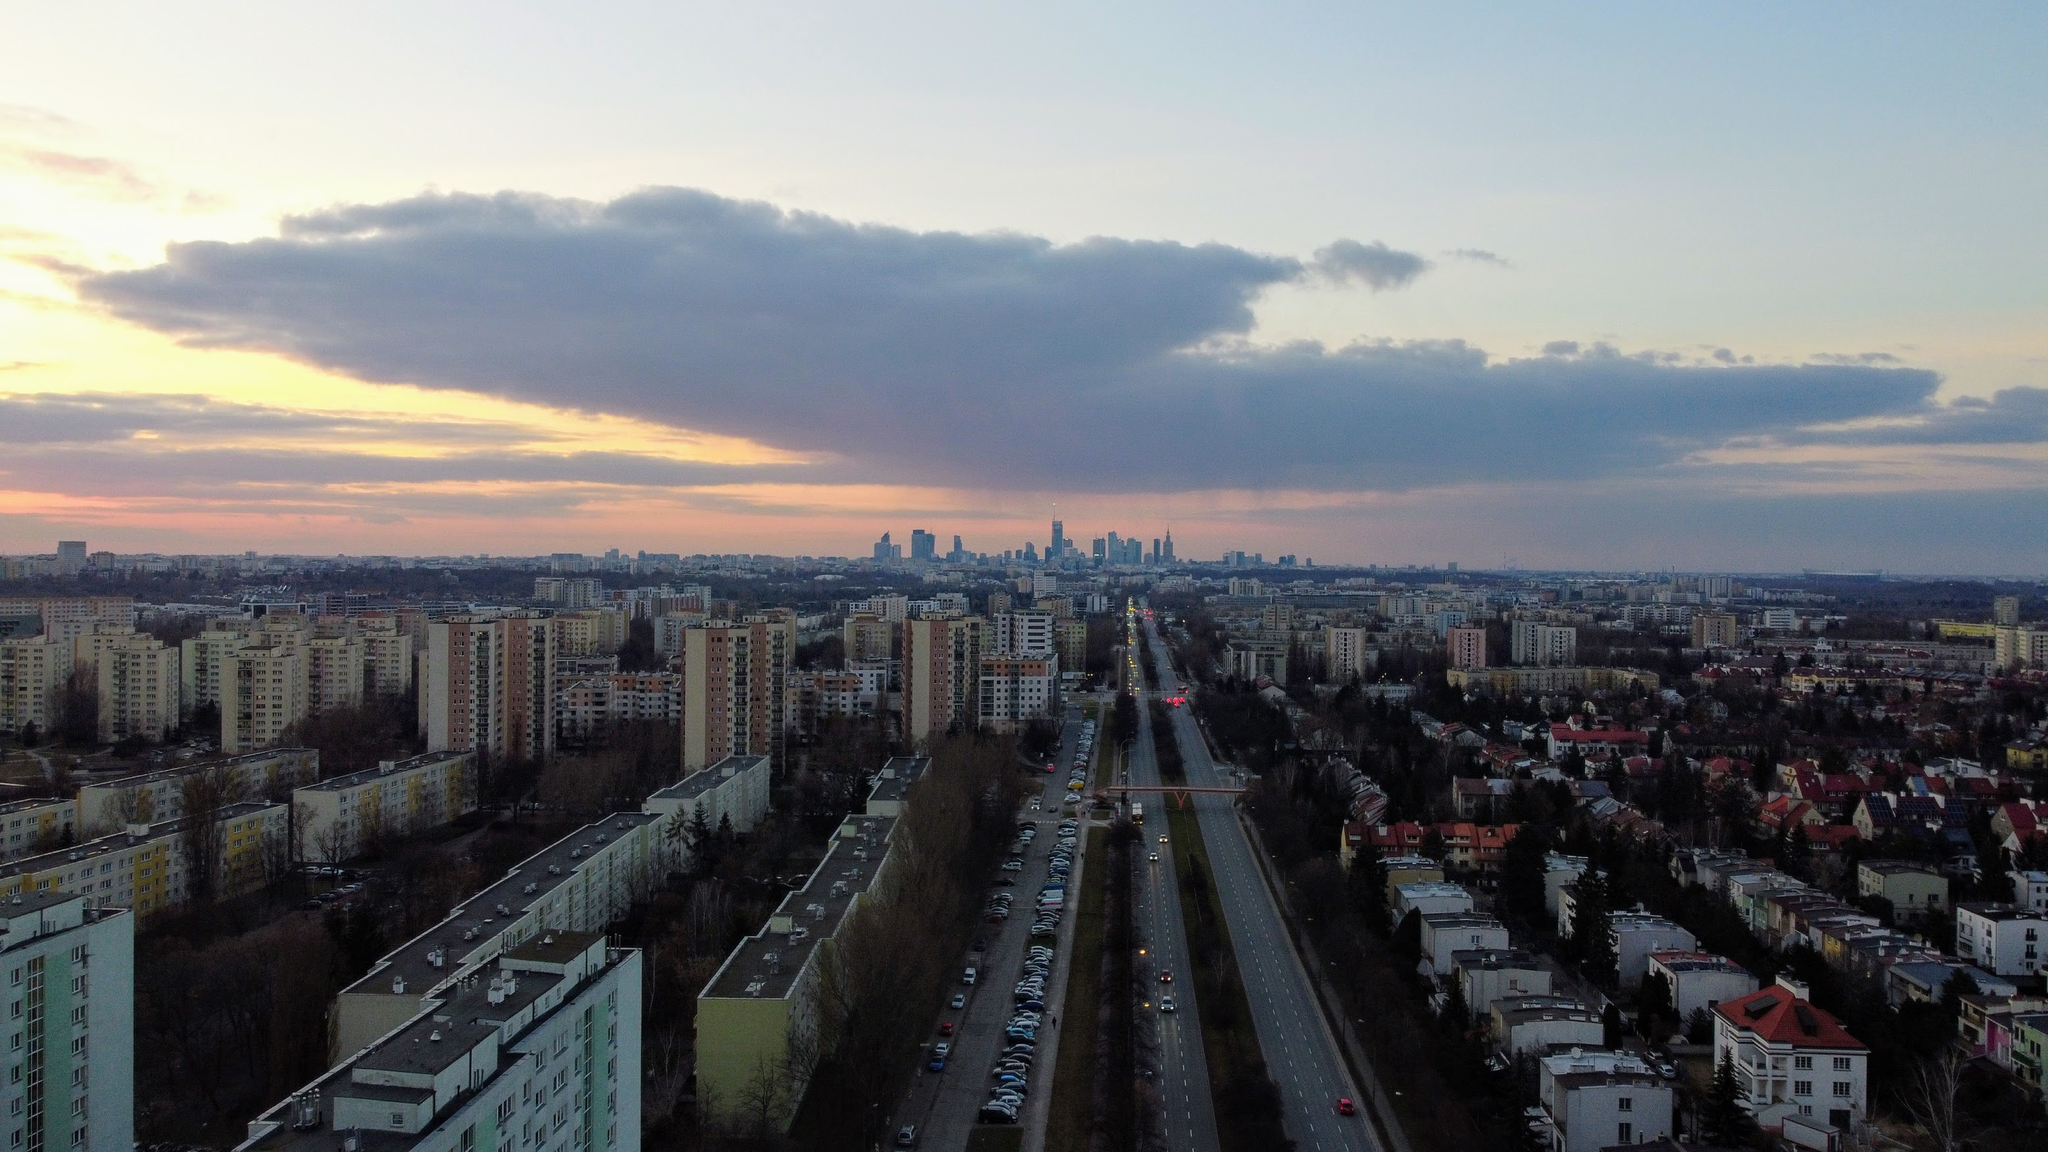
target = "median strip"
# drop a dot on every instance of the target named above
(1073, 1079)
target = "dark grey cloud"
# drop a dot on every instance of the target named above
(1374, 265)
(70, 418)
(985, 360)
(2011, 416)
(1855, 358)
(1479, 256)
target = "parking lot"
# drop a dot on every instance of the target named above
(1004, 1031)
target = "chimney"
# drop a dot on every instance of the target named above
(1798, 988)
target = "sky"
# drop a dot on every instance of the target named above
(1728, 287)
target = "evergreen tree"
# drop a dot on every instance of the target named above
(1723, 1120)
(1653, 1007)
(699, 840)
(1699, 1027)
(1592, 937)
(1521, 874)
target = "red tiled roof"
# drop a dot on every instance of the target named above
(1779, 1017)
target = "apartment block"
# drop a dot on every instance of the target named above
(1638, 935)
(868, 636)
(1715, 630)
(735, 677)
(1444, 934)
(1911, 887)
(31, 827)
(1597, 1100)
(1014, 690)
(538, 1049)
(387, 656)
(583, 882)
(71, 984)
(592, 632)
(941, 666)
(341, 816)
(334, 672)
(490, 684)
(139, 689)
(1700, 980)
(2002, 939)
(202, 664)
(153, 797)
(1070, 643)
(1487, 976)
(66, 618)
(1466, 646)
(1534, 643)
(32, 669)
(1546, 681)
(762, 1004)
(589, 704)
(1792, 1059)
(734, 790)
(1021, 634)
(263, 693)
(148, 867)
(1348, 653)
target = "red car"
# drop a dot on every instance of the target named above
(1166, 976)
(945, 1027)
(1345, 1107)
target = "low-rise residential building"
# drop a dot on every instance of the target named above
(2030, 890)
(1425, 897)
(341, 817)
(2002, 939)
(1597, 1100)
(757, 1019)
(149, 867)
(1486, 977)
(543, 1055)
(1700, 980)
(893, 782)
(1515, 682)
(1446, 933)
(1912, 888)
(2029, 1049)
(1792, 1059)
(153, 797)
(29, 827)
(1559, 872)
(1638, 935)
(70, 967)
(1541, 1024)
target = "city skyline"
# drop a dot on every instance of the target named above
(1761, 299)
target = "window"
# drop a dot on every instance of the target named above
(1841, 1063)
(398, 1119)
(1624, 1133)
(1803, 1063)
(1626, 1104)
(469, 1139)
(1842, 1089)
(1802, 1087)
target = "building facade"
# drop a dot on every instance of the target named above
(941, 666)
(1792, 1059)
(71, 1063)
(490, 684)
(340, 817)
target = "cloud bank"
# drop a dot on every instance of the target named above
(975, 361)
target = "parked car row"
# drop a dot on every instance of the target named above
(1011, 1075)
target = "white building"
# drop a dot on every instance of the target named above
(262, 693)
(1791, 1058)
(2000, 938)
(1559, 872)
(1348, 653)
(1427, 896)
(1636, 935)
(1447, 933)
(1488, 977)
(340, 817)
(1023, 633)
(31, 826)
(1597, 1100)
(139, 689)
(1701, 980)
(1540, 1024)
(537, 1050)
(2030, 890)
(1014, 690)
(32, 668)
(734, 789)
(153, 797)
(71, 983)
(1532, 642)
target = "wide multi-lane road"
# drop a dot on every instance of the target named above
(1181, 1072)
(1300, 1052)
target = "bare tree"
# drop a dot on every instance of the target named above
(1931, 1086)
(203, 792)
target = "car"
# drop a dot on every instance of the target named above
(978, 946)
(994, 1113)
(945, 1027)
(967, 977)
(1034, 1005)
(1005, 882)
(1153, 857)
(906, 1136)
(1166, 975)
(958, 1001)
(1013, 865)
(1166, 1004)
(1345, 1107)
(1162, 837)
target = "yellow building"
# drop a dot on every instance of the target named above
(340, 817)
(1541, 681)
(148, 866)
(31, 826)
(154, 797)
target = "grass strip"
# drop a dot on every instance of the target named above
(1073, 1079)
(989, 1138)
(1246, 1099)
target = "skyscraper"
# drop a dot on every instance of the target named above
(923, 545)
(734, 680)
(70, 557)
(1058, 547)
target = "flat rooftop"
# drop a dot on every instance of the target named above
(50, 861)
(705, 779)
(1495, 959)
(896, 777)
(491, 910)
(766, 965)
(388, 768)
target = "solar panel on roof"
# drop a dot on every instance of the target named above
(1757, 1009)
(1807, 1023)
